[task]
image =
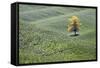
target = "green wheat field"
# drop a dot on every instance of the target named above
(43, 35)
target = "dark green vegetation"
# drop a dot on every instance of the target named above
(43, 35)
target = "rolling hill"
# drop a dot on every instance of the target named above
(43, 35)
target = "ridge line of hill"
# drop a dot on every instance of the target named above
(54, 17)
(42, 9)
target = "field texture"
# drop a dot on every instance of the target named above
(43, 35)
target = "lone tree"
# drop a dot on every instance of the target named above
(74, 25)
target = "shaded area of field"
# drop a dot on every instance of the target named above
(43, 35)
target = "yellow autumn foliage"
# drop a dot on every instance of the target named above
(74, 22)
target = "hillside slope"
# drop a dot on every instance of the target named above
(43, 35)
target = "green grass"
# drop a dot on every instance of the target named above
(43, 35)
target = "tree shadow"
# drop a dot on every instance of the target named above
(74, 35)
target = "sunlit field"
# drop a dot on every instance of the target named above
(43, 35)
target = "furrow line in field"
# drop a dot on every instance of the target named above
(42, 9)
(58, 17)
